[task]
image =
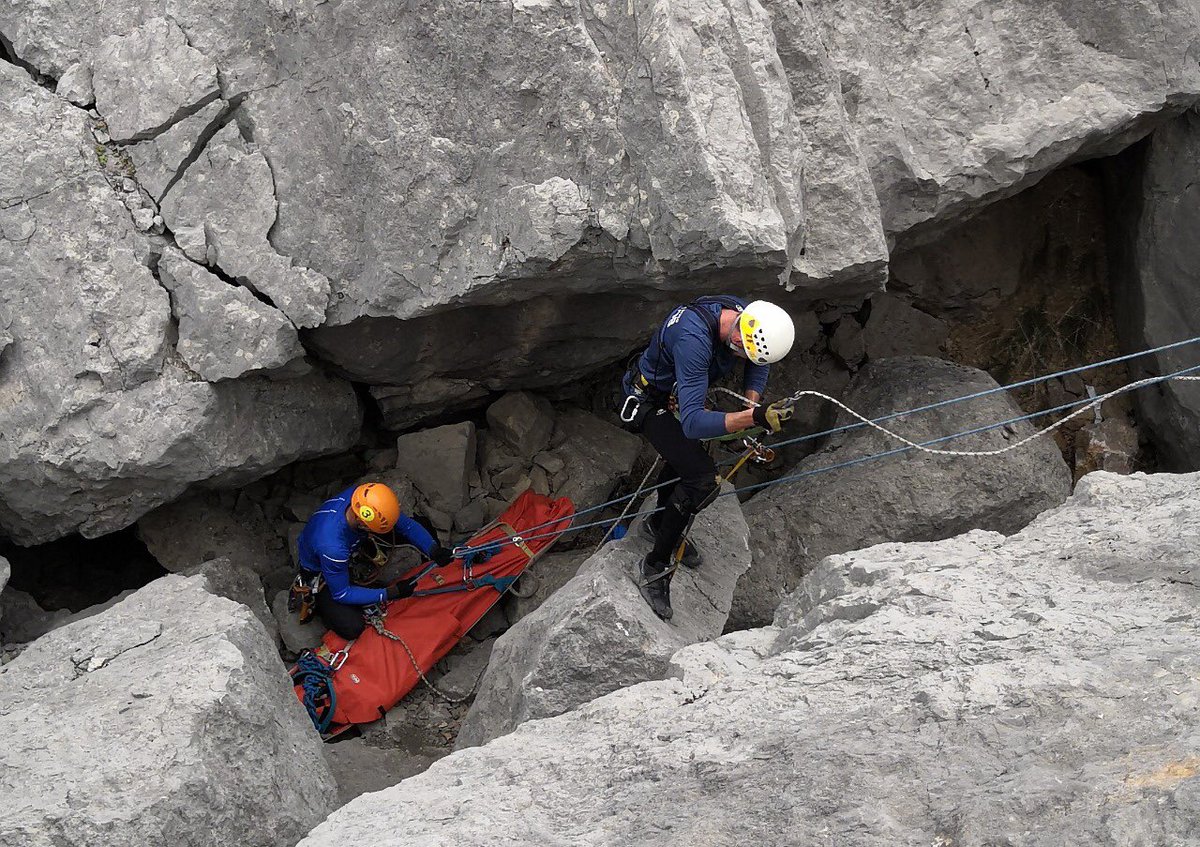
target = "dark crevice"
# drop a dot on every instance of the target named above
(201, 143)
(9, 54)
(181, 115)
(219, 273)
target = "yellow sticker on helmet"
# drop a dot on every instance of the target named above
(366, 513)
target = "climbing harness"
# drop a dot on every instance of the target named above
(302, 596)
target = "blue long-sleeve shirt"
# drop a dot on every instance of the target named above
(686, 355)
(328, 541)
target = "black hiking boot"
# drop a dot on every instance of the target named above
(691, 554)
(655, 586)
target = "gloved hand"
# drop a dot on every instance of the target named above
(441, 555)
(402, 589)
(774, 416)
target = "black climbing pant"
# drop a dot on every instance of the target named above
(346, 621)
(687, 459)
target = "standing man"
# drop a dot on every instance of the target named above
(331, 537)
(698, 343)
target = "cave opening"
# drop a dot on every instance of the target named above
(74, 572)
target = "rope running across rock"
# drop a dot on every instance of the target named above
(1085, 403)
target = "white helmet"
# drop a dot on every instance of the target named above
(767, 332)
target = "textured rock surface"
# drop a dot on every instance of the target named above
(595, 456)
(439, 463)
(237, 582)
(194, 530)
(224, 331)
(955, 106)
(166, 719)
(160, 160)
(221, 211)
(1158, 301)
(147, 80)
(607, 141)
(523, 421)
(1040, 689)
(906, 497)
(596, 634)
(23, 620)
(99, 420)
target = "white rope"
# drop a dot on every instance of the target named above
(979, 453)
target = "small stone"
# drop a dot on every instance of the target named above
(549, 462)
(128, 185)
(101, 136)
(143, 219)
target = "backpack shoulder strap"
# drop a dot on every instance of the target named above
(724, 300)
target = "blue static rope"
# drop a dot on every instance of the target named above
(316, 676)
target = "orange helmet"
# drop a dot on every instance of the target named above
(376, 506)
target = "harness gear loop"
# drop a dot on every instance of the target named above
(376, 616)
(302, 595)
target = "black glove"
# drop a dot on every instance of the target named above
(441, 555)
(774, 416)
(402, 589)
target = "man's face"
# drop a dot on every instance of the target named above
(735, 343)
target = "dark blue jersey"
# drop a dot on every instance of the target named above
(328, 541)
(686, 355)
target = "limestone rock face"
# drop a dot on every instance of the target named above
(595, 454)
(439, 463)
(224, 331)
(160, 160)
(184, 534)
(905, 497)
(166, 719)
(147, 80)
(1056, 669)
(597, 634)
(591, 143)
(100, 420)
(221, 211)
(523, 421)
(1158, 301)
(954, 108)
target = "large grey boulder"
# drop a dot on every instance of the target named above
(907, 497)
(956, 108)
(439, 463)
(597, 634)
(1157, 298)
(595, 456)
(1039, 689)
(100, 421)
(239, 583)
(206, 527)
(523, 421)
(22, 620)
(166, 719)
(147, 80)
